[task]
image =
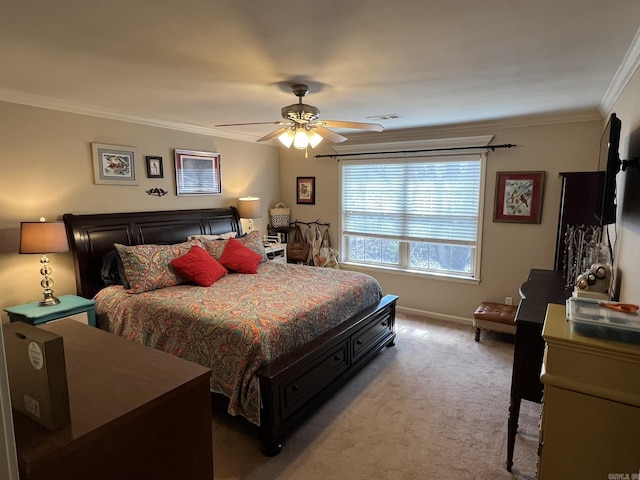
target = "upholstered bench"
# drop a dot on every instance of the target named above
(495, 317)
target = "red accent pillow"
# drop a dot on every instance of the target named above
(238, 258)
(199, 267)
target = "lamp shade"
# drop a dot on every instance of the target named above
(43, 237)
(286, 138)
(249, 207)
(300, 139)
(314, 139)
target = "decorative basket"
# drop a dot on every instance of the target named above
(280, 215)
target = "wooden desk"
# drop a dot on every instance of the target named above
(541, 288)
(136, 413)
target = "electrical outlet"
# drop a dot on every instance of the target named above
(508, 300)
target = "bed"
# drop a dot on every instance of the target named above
(277, 346)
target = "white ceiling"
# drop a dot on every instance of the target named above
(199, 63)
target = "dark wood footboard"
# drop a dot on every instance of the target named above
(296, 384)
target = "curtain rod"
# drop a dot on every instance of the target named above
(488, 147)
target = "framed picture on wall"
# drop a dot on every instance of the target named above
(197, 173)
(114, 164)
(519, 197)
(154, 167)
(306, 190)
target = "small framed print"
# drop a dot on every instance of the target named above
(306, 190)
(114, 164)
(154, 167)
(519, 197)
(197, 173)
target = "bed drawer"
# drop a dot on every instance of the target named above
(376, 329)
(304, 386)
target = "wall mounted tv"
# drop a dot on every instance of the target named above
(609, 165)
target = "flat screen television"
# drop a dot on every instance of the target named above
(609, 165)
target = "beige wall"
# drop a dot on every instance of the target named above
(627, 108)
(47, 171)
(46, 160)
(509, 251)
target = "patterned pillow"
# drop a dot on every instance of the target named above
(251, 240)
(199, 267)
(214, 247)
(254, 241)
(147, 267)
(238, 258)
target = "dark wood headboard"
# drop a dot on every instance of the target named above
(92, 236)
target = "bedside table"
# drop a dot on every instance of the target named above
(276, 252)
(69, 305)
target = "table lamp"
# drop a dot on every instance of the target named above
(249, 208)
(44, 237)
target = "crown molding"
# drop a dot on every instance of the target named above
(49, 103)
(399, 135)
(474, 128)
(627, 69)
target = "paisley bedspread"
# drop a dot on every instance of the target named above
(240, 322)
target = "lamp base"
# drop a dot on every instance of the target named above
(46, 283)
(49, 300)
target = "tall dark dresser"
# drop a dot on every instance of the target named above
(581, 195)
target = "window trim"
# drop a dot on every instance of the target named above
(475, 278)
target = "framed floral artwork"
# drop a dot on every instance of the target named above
(114, 164)
(197, 173)
(306, 190)
(519, 197)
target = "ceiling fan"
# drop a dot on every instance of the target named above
(302, 128)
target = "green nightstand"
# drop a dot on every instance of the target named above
(69, 305)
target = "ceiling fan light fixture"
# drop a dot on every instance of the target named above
(302, 127)
(286, 138)
(314, 139)
(300, 139)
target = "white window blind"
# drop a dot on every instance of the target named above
(427, 200)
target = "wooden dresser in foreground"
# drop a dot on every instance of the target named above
(136, 413)
(590, 424)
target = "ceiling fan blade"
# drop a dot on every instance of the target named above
(328, 134)
(252, 123)
(274, 134)
(374, 127)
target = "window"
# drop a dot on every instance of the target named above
(419, 214)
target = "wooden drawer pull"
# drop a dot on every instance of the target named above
(358, 342)
(295, 388)
(384, 324)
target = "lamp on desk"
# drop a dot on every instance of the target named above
(44, 237)
(249, 208)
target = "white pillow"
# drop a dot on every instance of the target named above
(222, 236)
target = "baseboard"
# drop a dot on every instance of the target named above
(437, 316)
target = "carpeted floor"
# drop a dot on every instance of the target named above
(435, 406)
